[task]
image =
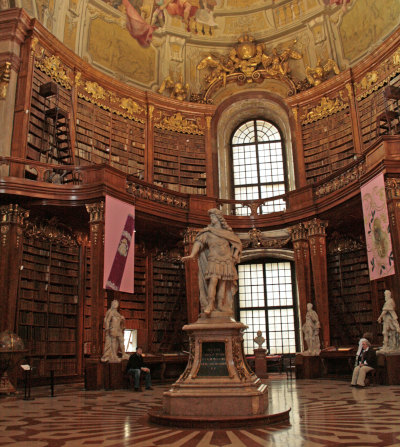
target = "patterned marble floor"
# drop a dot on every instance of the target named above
(323, 413)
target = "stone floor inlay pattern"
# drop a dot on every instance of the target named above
(323, 413)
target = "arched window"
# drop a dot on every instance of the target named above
(258, 165)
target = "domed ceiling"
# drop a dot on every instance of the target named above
(191, 42)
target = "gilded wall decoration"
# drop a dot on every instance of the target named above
(344, 243)
(52, 66)
(178, 123)
(247, 62)
(5, 72)
(320, 72)
(113, 48)
(177, 90)
(325, 108)
(94, 93)
(366, 23)
(257, 240)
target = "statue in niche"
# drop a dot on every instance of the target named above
(391, 328)
(218, 250)
(311, 332)
(114, 324)
(319, 73)
(259, 340)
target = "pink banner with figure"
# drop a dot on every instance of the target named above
(119, 245)
(377, 230)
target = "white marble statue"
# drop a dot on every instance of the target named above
(218, 250)
(311, 332)
(259, 340)
(114, 324)
(391, 328)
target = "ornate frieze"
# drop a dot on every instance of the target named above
(344, 243)
(51, 231)
(178, 123)
(381, 75)
(148, 193)
(5, 72)
(325, 108)
(351, 175)
(92, 92)
(257, 240)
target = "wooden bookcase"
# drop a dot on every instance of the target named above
(349, 297)
(169, 305)
(328, 145)
(369, 108)
(48, 306)
(39, 105)
(178, 164)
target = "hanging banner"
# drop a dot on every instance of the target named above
(119, 245)
(377, 230)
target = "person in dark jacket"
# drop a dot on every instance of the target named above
(135, 367)
(366, 362)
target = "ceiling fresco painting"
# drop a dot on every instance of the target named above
(158, 45)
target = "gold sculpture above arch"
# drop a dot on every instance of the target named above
(246, 62)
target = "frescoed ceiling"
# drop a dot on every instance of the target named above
(146, 42)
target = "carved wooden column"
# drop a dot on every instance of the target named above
(355, 119)
(11, 223)
(192, 277)
(148, 342)
(209, 159)
(317, 240)
(303, 267)
(149, 146)
(300, 164)
(393, 203)
(96, 213)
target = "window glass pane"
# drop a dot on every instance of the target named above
(245, 134)
(266, 303)
(266, 131)
(271, 191)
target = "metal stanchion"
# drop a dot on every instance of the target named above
(27, 384)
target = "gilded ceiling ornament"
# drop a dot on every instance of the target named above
(177, 90)
(326, 107)
(246, 62)
(53, 67)
(396, 57)
(319, 73)
(177, 123)
(5, 71)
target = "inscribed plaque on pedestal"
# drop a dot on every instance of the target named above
(377, 231)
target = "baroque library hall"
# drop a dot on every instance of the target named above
(199, 223)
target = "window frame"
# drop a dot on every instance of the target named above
(284, 158)
(266, 308)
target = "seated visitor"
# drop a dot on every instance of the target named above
(135, 367)
(365, 336)
(366, 362)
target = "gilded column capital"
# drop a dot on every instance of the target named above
(208, 122)
(392, 186)
(13, 213)
(189, 235)
(298, 232)
(316, 227)
(96, 211)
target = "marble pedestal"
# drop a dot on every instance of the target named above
(217, 381)
(260, 363)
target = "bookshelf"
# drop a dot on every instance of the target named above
(349, 296)
(48, 305)
(179, 161)
(169, 305)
